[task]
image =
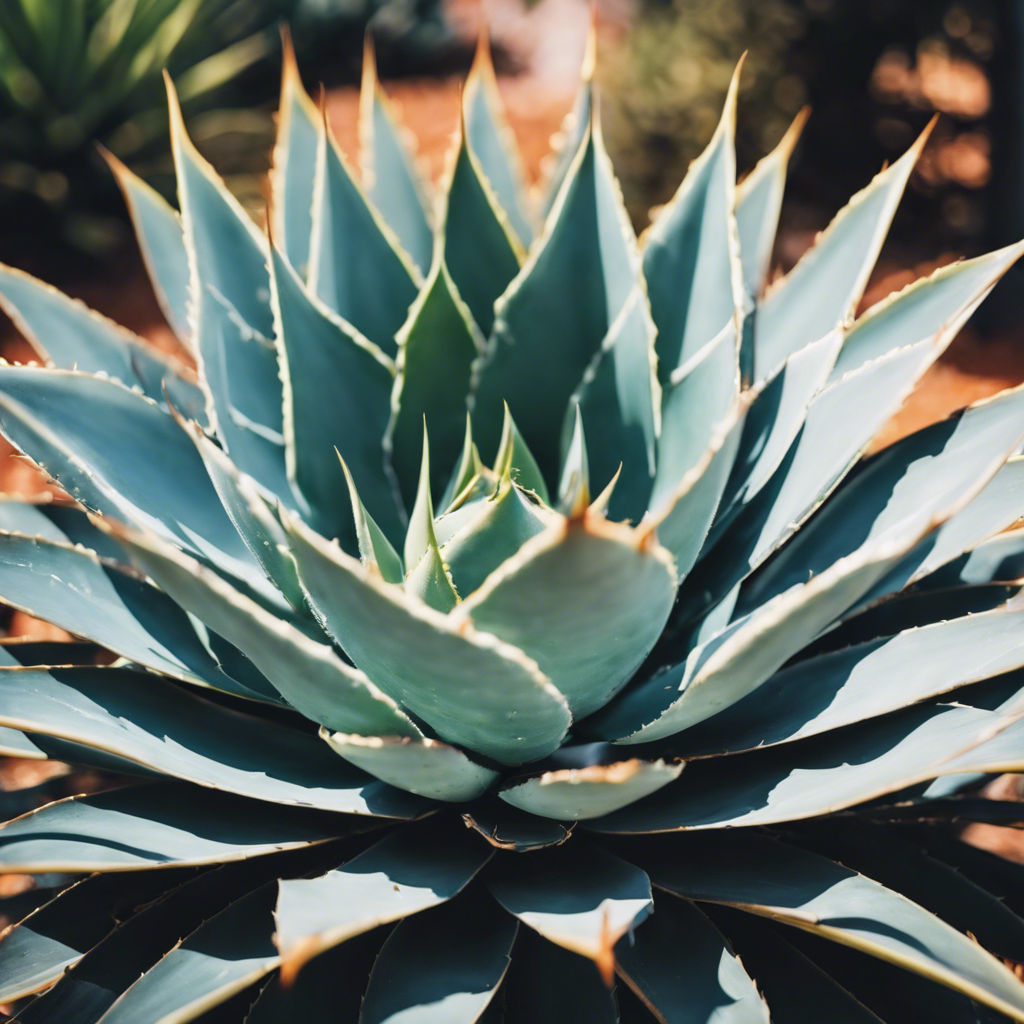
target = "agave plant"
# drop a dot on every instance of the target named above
(435, 733)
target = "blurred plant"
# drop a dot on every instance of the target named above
(72, 71)
(665, 82)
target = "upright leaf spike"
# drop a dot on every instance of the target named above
(758, 203)
(389, 175)
(294, 162)
(823, 289)
(514, 458)
(691, 252)
(374, 548)
(469, 466)
(574, 486)
(599, 506)
(493, 143)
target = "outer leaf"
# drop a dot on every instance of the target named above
(320, 356)
(109, 605)
(839, 424)
(481, 249)
(294, 164)
(586, 599)
(937, 305)
(74, 426)
(696, 981)
(313, 678)
(826, 899)
(36, 950)
(999, 558)
(692, 252)
(866, 680)
(233, 325)
(388, 174)
(155, 826)
(438, 351)
(831, 772)
(70, 335)
(422, 766)
(224, 955)
(162, 243)
(466, 684)
(160, 727)
(356, 264)
(758, 204)
(579, 897)
(823, 289)
(442, 966)
(51, 520)
(493, 144)
(559, 308)
(620, 400)
(411, 870)
(575, 794)
(256, 524)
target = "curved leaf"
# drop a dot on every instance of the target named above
(442, 966)
(467, 685)
(312, 677)
(163, 728)
(575, 794)
(547, 601)
(411, 870)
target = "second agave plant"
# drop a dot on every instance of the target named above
(509, 623)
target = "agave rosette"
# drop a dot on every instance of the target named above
(478, 548)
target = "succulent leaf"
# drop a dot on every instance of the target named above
(162, 242)
(587, 251)
(374, 548)
(422, 766)
(388, 175)
(321, 354)
(574, 484)
(439, 349)
(466, 684)
(823, 289)
(324, 689)
(356, 266)
(692, 255)
(294, 172)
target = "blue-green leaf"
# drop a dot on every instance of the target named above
(388, 174)
(442, 966)
(312, 677)
(620, 400)
(411, 870)
(574, 481)
(230, 310)
(493, 144)
(470, 687)
(692, 253)
(356, 265)
(51, 520)
(163, 729)
(162, 243)
(758, 204)
(155, 825)
(811, 892)
(558, 310)
(587, 599)
(934, 306)
(695, 981)
(575, 794)
(823, 289)
(439, 349)
(294, 165)
(422, 766)
(75, 425)
(108, 604)
(323, 356)
(580, 897)
(73, 337)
